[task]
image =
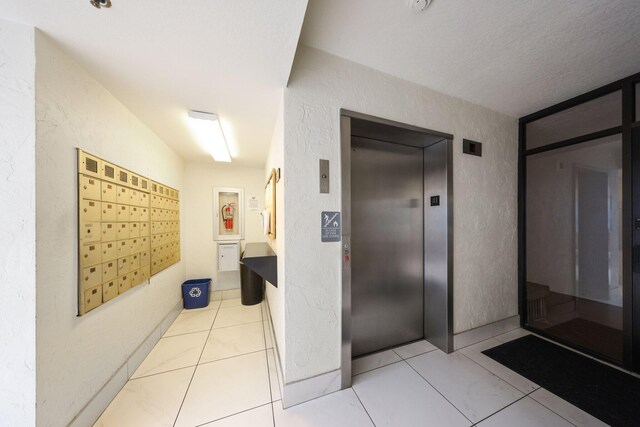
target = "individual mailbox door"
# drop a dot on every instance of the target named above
(134, 181)
(109, 192)
(89, 188)
(144, 244)
(123, 196)
(134, 261)
(91, 276)
(109, 270)
(155, 201)
(145, 272)
(109, 172)
(144, 229)
(109, 231)
(123, 248)
(154, 214)
(90, 211)
(124, 265)
(122, 176)
(89, 165)
(136, 278)
(124, 283)
(123, 230)
(134, 197)
(90, 232)
(134, 229)
(109, 290)
(134, 214)
(143, 199)
(145, 258)
(155, 240)
(144, 214)
(123, 213)
(109, 251)
(92, 298)
(109, 212)
(134, 245)
(90, 254)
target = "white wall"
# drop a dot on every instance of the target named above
(17, 226)
(276, 296)
(200, 250)
(485, 200)
(78, 355)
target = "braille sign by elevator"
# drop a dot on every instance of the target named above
(330, 226)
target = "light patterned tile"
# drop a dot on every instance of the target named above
(565, 409)
(373, 361)
(148, 402)
(525, 413)
(233, 341)
(258, 417)
(173, 353)
(341, 408)
(395, 395)
(225, 387)
(475, 391)
(232, 316)
(414, 349)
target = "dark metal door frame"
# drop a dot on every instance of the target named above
(630, 131)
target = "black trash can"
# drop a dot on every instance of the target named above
(251, 286)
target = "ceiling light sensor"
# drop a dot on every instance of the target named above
(419, 5)
(208, 132)
(99, 4)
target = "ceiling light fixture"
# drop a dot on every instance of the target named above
(99, 4)
(207, 130)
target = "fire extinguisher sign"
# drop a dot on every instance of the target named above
(330, 226)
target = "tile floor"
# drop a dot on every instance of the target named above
(216, 367)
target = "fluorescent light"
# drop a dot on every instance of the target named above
(207, 130)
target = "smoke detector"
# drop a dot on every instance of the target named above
(99, 4)
(419, 5)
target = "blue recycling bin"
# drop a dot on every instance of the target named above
(195, 293)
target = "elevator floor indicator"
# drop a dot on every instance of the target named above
(330, 226)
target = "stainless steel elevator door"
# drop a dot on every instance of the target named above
(387, 245)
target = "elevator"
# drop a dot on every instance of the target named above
(397, 237)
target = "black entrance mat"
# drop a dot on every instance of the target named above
(604, 392)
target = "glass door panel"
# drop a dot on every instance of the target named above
(574, 245)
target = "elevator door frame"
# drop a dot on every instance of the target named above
(444, 324)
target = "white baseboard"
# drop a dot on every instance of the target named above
(304, 390)
(473, 336)
(99, 402)
(311, 388)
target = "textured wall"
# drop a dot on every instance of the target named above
(200, 250)
(276, 296)
(77, 355)
(17, 226)
(485, 198)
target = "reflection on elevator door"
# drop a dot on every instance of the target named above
(387, 205)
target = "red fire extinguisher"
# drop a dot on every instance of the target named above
(228, 212)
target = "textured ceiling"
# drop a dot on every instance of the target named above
(512, 56)
(161, 58)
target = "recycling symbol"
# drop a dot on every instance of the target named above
(195, 292)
